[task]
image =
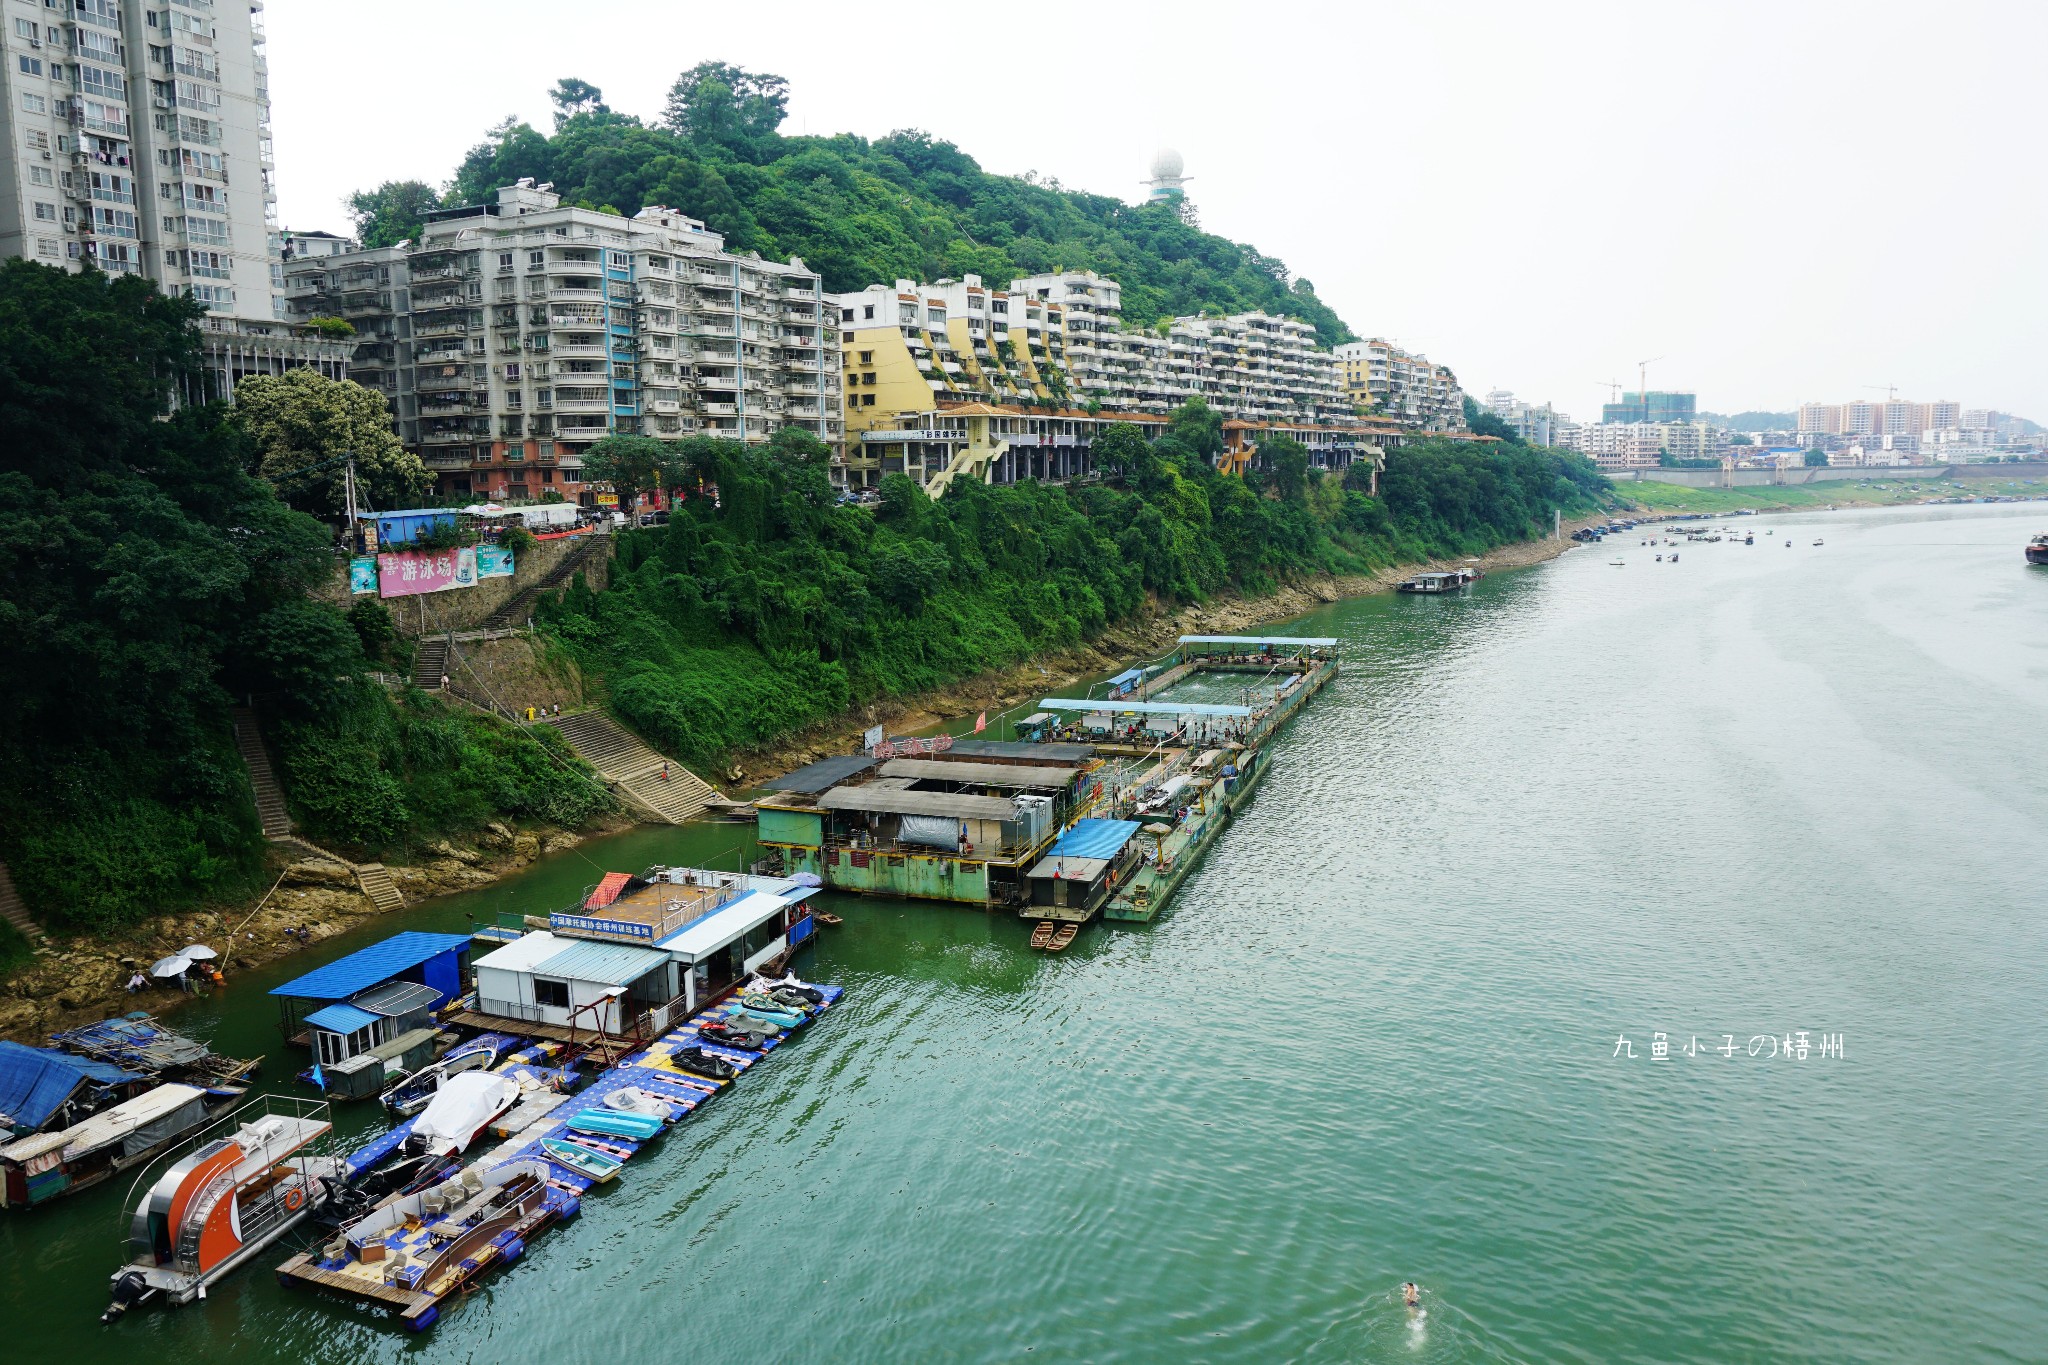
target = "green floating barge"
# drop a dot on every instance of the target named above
(1103, 806)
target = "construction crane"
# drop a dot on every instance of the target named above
(1615, 386)
(1890, 391)
(1643, 381)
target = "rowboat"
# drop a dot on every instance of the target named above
(596, 1165)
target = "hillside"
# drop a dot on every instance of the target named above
(906, 206)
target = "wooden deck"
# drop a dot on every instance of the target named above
(521, 1028)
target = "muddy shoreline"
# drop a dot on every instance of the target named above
(82, 979)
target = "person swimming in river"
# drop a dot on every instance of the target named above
(1411, 1294)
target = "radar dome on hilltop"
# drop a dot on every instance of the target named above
(1168, 181)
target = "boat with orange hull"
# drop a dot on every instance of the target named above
(231, 1190)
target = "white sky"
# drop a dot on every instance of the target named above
(1784, 201)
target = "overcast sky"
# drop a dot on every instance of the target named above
(1780, 202)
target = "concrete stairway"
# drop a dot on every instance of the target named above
(373, 879)
(430, 663)
(14, 912)
(270, 807)
(623, 760)
(376, 883)
(515, 610)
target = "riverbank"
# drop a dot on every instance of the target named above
(1149, 636)
(82, 978)
(1650, 496)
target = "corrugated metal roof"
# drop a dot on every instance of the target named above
(708, 933)
(367, 967)
(1143, 708)
(1068, 869)
(918, 803)
(823, 775)
(1017, 748)
(35, 1081)
(111, 1125)
(1093, 838)
(609, 964)
(340, 1018)
(521, 953)
(1314, 640)
(1045, 776)
(399, 997)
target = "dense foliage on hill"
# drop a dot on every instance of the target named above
(148, 576)
(767, 607)
(859, 212)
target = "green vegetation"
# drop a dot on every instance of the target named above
(148, 576)
(904, 206)
(306, 426)
(1670, 497)
(770, 608)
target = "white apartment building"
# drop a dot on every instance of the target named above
(140, 141)
(514, 334)
(1536, 425)
(1403, 386)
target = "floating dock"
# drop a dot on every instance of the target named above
(413, 1254)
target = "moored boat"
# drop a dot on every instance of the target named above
(608, 1122)
(412, 1093)
(2037, 550)
(460, 1110)
(592, 1165)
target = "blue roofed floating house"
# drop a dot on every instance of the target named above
(1081, 869)
(371, 1013)
(42, 1087)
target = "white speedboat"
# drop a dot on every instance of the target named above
(460, 1110)
(412, 1093)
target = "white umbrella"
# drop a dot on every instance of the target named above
(171, 966)
(198, 952)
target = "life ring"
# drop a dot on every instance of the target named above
(294, 1199)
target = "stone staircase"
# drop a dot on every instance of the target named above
(430, 662)
(373, 879)
(270, 807)
(516, 609)
(14, 912)
(624, 761)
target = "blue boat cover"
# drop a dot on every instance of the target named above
(371, 966)
(35, 1081)
(1129, 675)
(341, 1018)
(1092, 838)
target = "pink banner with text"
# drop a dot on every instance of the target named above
(407, 573)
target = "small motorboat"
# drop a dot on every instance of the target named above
(633, 1100)
(2037, 550)
(1617, 563)
(412, 1093)
(1818, 543)
(1674, 556)
(826, 917)
(580, 1159)
(607, 1122)
(701, 1063)
(460, 1111)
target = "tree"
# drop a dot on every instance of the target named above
(1816, 458)
(719, 105)
(393, 212)
(1121, 451)
(1738, 439)
(305, 427)
(630, 464)
(1199, 427)
(338, 328)
(1288, 459)
(570, 98)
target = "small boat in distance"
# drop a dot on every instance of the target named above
(1445, 580)
(1818, 543)
(2037, 550)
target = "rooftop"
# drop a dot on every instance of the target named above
(371, 966)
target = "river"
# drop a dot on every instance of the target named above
(1384, 1032)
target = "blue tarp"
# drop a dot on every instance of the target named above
(1092, 838)
(1126, 679)
(341, 1018)
(35, 1081)
(372, 966)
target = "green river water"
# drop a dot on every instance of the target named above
(1762, 791)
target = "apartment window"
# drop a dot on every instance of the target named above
(504, 260)
(40, 175)
(868, 378)
(618, 259)
(46, 212)
(869, 312)
(867, 400)
(25, 28)
(46, 246)
(536, 259)
(846, 315)
(551, 994)
(38, 141)
(31, 66)
(512, 373)
(34, 104)
(845, 337)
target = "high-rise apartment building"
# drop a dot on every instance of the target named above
(140, 141)
(514, 334)
(1650, 406)
(1400, 385)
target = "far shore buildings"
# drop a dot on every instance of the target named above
(959, 378)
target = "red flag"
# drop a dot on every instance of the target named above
(981, 722)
